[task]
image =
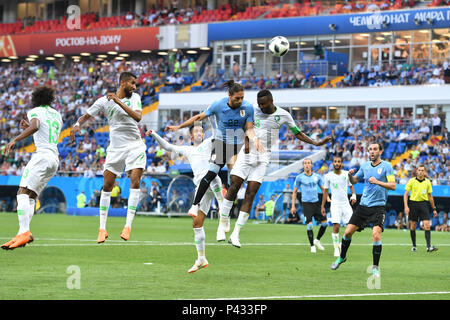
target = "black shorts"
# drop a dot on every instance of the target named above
(312, 209)
(222, 152)
(368, 215)
(419, 210)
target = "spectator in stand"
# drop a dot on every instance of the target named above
(436, 122)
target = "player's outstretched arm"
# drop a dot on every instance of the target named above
(303, 137)
(76, 127)
(162, 142)
(135, 114)
(187, 123)
(31, 129)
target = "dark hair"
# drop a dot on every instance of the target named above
(380, 145)
(125, 76)
(42, 96)
(233, 87)
(191, 128)
(337, 157)
(264, 93)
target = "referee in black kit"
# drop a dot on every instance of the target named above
(421, 190)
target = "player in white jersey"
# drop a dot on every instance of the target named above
(251, 165)
(45, 125)
(126, 149)
(341, 211)
(198, 156)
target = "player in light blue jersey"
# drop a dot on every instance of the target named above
(232, 119)
(307, 183)
(378, 177)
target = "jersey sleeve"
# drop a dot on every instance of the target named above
(97, 107)
(289, 121)
(326, 182)
(251, 113)
(360, 174)
(297, 183)
(137, 104)
(429, 187)
(212, 109)
(408, 185)
(390, 173)
(320, 180)
(33, 114)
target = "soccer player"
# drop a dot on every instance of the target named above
(307, 183)
(340, 208)
(420, 188)
(198, 156)
(126, 149)
(378, 177)
(45, 125)
(252, 166)
(233, 121)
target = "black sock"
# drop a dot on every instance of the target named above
(321, 232)
(428, 238)
(376, 251)
(344, 247)
(413, 237)
(310, 236)
(203, 187)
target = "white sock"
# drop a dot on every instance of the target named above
(217, 189)
(105, 200)
(225, 210)
(335, 237)
(133, 202)
(241, 221)
(199, 237)
(23, 208)
(32, 206)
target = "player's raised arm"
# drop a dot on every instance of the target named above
(78, 124)
(353, 179)
(31, 129)
(188, 123)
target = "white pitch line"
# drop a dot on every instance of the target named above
(150, 243)
(336, 295)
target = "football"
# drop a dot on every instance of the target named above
(279, 46)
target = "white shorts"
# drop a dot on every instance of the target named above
(341, 212)
(128, 158)
(41, 168)
(245, 169)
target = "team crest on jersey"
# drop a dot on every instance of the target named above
(379, 170)
(277, 118)
(242, 113)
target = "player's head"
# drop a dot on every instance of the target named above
(375, 151)
(307, 165)
(420, 172)
(337, 163)
(127, 81)
(265, 100)
(197, 133)
(235, 94)
(42, 96)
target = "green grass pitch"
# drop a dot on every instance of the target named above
(274, 263)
